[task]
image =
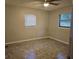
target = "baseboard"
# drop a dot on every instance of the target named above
(58, 40)
(25, 40)
(37, 39)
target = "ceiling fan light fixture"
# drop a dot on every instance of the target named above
(46, 4)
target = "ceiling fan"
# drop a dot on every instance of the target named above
(51, 2)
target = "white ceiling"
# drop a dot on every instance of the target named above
(37, 4)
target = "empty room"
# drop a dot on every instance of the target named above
(38, 29)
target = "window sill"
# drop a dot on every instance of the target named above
(63, 28)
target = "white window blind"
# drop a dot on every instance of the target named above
(30, 20)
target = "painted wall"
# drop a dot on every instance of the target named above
(47, 24)
(14, 23)
(62, 34)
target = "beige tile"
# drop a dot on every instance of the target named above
(39, 49)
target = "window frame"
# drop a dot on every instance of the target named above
(25, 19)
(63, 20)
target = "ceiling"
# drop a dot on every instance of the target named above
(37, 4)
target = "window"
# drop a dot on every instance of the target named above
(30, 20)
(65, 20)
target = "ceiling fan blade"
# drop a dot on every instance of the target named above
(54, 3)
(52, 0)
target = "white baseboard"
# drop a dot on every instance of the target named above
(58, 40)
(37, 39)
(25, 40)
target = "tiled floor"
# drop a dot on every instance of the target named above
(37, 49)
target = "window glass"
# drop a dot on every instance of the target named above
(65, 20)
